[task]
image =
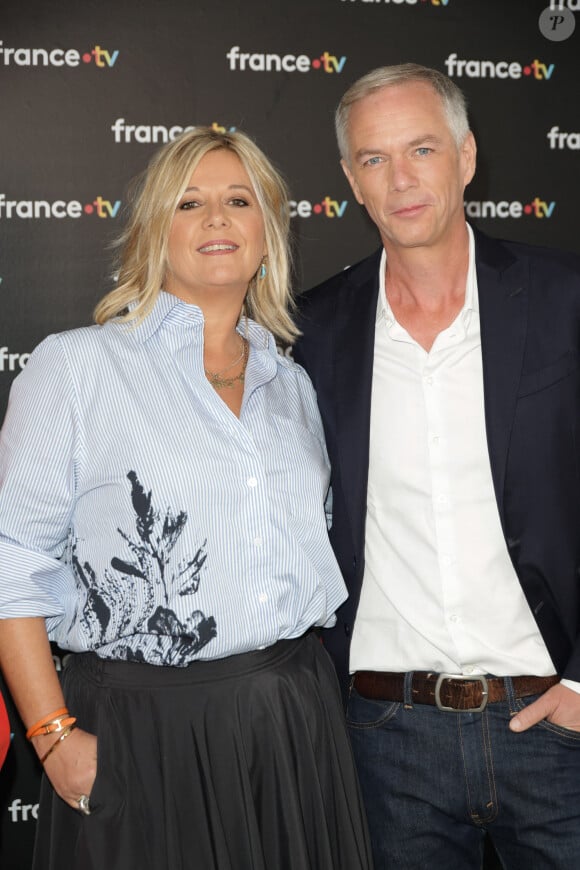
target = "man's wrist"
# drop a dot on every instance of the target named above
(571, 684)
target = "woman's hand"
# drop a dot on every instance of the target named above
(72, 766)
(28, 666)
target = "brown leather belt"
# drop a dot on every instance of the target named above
(448, 692)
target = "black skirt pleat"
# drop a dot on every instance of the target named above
(237, 764)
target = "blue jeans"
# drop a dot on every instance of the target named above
(435, 782)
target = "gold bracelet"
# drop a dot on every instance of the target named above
(53, 726)
(62, 737)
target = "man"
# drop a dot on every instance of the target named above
(447, 372)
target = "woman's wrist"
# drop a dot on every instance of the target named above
(42, 743)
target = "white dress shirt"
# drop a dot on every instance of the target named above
(439, 591)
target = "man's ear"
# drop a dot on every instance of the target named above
(468, 153)
(351, 180)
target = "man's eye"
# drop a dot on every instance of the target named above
(422, 152)
(372, 161)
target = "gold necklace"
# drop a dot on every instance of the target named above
(220, 383)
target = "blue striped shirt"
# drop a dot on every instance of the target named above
(142, 518)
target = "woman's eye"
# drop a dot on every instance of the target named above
(190, 203)
(238, 201)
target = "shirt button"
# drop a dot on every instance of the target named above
(251, 481)
(262, 598)
(258, 541)
(429, 380)
(435, 439)
(469, 669)
(453, 618)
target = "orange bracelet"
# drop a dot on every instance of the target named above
(58, 724)
(45, 720)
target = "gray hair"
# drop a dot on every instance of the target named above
(453, 99)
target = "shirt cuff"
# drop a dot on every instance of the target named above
(31, 583)
(571, 684)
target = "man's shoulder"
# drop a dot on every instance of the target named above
(354, 277)
(547, 260)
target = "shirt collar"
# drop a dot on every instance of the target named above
(170, 310)
(471, 303)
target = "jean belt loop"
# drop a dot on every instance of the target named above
(408, 690)
(510, 695)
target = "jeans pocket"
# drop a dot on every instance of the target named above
(571, 736)
(366, 713)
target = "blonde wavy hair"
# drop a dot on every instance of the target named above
(142, 261)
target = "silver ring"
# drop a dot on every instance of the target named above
(83, 803)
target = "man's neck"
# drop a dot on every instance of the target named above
(428, 276)
(425, 286)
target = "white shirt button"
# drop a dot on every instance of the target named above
(262, 598)
(258, 541)
(429, 380)
(252, 481)
(453, 618)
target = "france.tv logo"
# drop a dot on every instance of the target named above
(504, 69)
(28, 209)
(146, 133)
(327, 207)
(400, 2)
(99, 56)
(535, 208)
(256, 62)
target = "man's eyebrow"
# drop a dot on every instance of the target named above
(421, 140)
(428, 138)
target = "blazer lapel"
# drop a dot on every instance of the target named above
(354, 351)
(503, 304)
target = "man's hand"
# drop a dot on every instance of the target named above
(559, 705)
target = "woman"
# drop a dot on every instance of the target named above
(163, 476)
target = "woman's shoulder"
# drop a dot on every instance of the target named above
(81, 337)
(83, 344)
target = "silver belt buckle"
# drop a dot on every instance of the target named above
(471, 677)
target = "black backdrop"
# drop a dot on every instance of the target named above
(89, 90)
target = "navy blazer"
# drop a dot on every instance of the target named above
(529, 303)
